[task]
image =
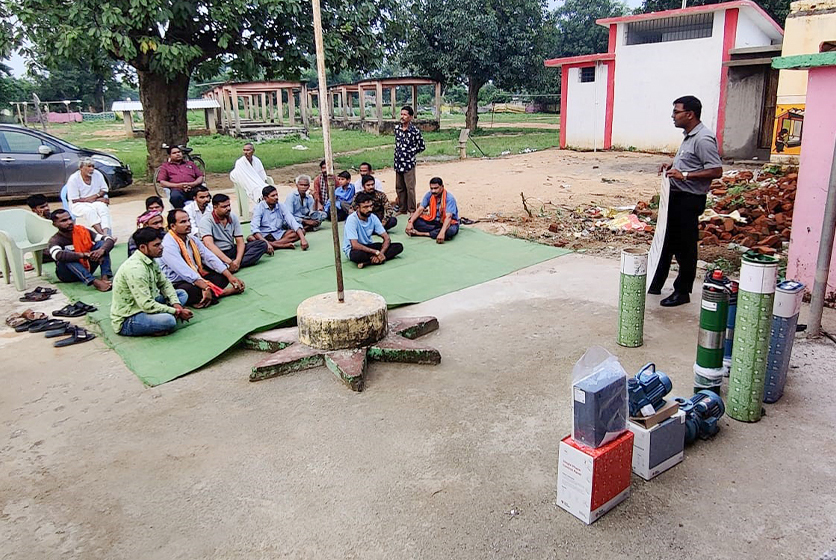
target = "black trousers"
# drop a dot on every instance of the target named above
(362, 257)
(253, 251)
(195, 293)
(681, 239)
(434, 228)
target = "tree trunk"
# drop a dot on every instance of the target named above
(164, 112)
(473, 87)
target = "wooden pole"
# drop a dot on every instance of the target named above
(326, 140)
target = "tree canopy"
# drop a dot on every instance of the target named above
(475, 42)
(778, 9)
(167, 41)
(574, 29)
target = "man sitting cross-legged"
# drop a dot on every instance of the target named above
(190, 266)
(150, 219)
(79, 251)
(382, 209)
(274, 223)
(437, 216)
(359, 228)
(144, 301)
(199, 207)
(221, 232)
(302, 205)
(343, 195)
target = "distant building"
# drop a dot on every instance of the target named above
(808, 25)
(721, 53)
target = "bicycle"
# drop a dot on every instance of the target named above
(188, 155)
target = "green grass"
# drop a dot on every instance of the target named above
(220, 152)
(485, 118)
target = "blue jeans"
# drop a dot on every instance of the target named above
(75, 271)
(144, 324)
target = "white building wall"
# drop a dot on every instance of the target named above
(649, 77)
(748, 33)
(586, 106)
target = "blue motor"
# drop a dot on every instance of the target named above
(647, 388)
(702, 415)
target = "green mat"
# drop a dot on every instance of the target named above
(276, 286)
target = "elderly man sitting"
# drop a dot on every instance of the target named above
(249, 173)
(191, 267)
(87, 194)
(273, 222)
(220, 231)
(144, 301)
(301, 204)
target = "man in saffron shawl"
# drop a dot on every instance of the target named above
(79, 251)
(437, 216)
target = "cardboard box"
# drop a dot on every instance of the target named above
(666, 411)
(659, 448)
(590, 482)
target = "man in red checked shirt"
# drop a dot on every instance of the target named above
(180, 177)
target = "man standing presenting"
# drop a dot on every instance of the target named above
(408, 143)
(180, 177)
(144, 301)
(249, 173)
(696, 163)
(220, 231)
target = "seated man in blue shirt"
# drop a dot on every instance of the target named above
(274, 223)
(301, 205)
(437, 216)
(344, 195)
(359, 228)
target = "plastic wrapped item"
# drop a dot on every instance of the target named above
(599, 398)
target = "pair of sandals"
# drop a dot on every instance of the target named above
(53, 328)
(39, 294)
(76, 309)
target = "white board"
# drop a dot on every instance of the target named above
(661, 225)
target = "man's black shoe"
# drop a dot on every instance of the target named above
(675, 299)
(654, 291)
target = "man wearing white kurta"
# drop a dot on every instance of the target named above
(87, 194)
(249, 173)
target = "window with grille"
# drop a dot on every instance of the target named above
(587, 74)
(682, 28)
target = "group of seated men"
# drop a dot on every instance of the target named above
(189, 257)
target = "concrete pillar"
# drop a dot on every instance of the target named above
(361, 96)
(378, 102)
(129, 123)
(272, 108)
(280, 106)
(264, 116)
(303, 104)
(210, 121)
(291, 106)
(235, 113)
(344, 96)
(394, 100)
(415, 98)
(438, 102)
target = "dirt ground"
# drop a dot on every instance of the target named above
(453, 461)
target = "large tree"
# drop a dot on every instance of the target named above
(574, 29)
(167, 41)
(778, 9)
(475, 42)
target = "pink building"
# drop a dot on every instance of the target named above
(817, 146)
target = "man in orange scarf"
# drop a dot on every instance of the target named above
(437, 216)
(193, 268)
(79, 251)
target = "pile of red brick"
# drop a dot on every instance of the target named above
(766, 204)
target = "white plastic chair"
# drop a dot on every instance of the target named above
(22, 232)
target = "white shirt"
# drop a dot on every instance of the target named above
(77, 188)
(378, 186)
(195, 215)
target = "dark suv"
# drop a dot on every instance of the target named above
(32, 162)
